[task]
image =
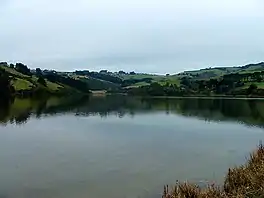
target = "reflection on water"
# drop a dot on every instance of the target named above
(121, 147)
(250, 112)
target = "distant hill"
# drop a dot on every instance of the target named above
(114, 81)
(25, 80)
(246, 81)
(28, 82)
(216, 72)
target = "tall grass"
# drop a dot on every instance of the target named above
(245, 181)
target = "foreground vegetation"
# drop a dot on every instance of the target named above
(240, 182)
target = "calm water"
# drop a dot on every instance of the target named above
(119, 147)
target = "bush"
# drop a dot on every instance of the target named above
(241, 182)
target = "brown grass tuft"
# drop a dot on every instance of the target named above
(245, 181)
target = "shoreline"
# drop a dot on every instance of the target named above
(204, 97)
(246, 180)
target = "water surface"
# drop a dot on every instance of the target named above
(120, 147)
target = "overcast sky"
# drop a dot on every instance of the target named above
(157, 36)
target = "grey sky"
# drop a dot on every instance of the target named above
(157, 36)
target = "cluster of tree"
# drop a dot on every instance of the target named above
(156, 89)
(127, 73)
(6, 89)
(77, 84)
(261, 64)
(40, 76)
(4, 64)
(225, 85)
(82, 73)
(23, 69)
(219, 86)
(246, 77)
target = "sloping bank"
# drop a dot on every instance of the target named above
(245, 181)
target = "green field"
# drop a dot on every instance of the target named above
(21, 84)
(14, 72)
(260, 85)
(53, 86)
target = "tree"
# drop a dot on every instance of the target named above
(257, 76)
(23, 69)
(132, 73)
(155, 89)
(42, 81)
(12, 66)
(121, 72)
(82, 73)
(38, 72)
(5, 64)
(6, 89)
(185, 81)
(252, 88)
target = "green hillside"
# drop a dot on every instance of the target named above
(243, 81)
(216, 72)
(96, 84)
(209, 81)
(28, 82)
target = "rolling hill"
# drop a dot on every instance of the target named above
(216, 72)
(23, 79)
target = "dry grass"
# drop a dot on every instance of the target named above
(246, 181)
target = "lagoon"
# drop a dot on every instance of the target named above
(122, 147)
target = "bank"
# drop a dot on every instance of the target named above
(241, 182)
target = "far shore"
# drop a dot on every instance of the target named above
(207, 97)
(239, 97)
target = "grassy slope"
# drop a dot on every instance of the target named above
(220, 71)
(13, 71)
(53, 86)
(24, 82)
(136, 76)
(96, 84)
